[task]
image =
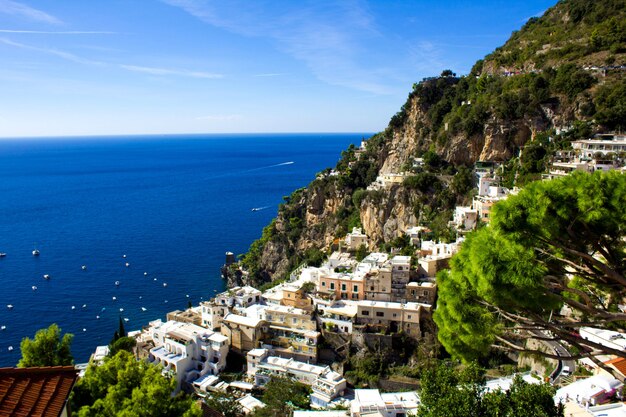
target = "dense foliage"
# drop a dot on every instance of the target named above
(570, 31)
(282, 396)
(48, 348)
(510, 279)
(449, 392)
(123, 386)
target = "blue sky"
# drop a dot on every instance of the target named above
(95, 67)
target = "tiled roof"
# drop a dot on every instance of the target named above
(37, 392)
(619, 364)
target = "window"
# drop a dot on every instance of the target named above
(295, 320)
(332, 285)
(355, 296)
(355, 288)
(409, 317)
(371, 288)
(395, 315)
(323, 283)
(343, 287)
(365, 313)
(380, 314)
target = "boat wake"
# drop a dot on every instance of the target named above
(259, 208)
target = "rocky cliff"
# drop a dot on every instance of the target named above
(449, 123)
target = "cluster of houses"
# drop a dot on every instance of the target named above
(277, 331)
(602, 152)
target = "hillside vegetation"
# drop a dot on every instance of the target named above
(561, 77)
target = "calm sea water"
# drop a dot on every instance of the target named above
(172, 204)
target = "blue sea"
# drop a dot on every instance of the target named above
(172, 204)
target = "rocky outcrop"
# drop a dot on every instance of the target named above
(387, 214)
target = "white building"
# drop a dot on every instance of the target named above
(187, 351)
(465, 218)
(608, 338)
(590, 147)
(370, 402)
(355, 239)
(326, 383)
(594, 390)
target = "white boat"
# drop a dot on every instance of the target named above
(9, 306)
(125, 319)
(34, 287)
(123, 256)
(83, 267)
(97, 317)
(2, 254)
(84, 305)
(121, 309)
(36, 252)
(114, 298)
(73, 307)
(145, 274)
(10, 348)
(127, 264)
(165, 284)
(46, 276)
(84, 330)
(3, 327)
(117, 283)
(143, 309)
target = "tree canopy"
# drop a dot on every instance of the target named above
(123, 386)
(449, 392)
(281, 396)
(557, 243)
(48, 348)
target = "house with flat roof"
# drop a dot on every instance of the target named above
(325, 383)
(371, 402)
(187, 351)
(292, 332)
(381, 315)
(243, 333)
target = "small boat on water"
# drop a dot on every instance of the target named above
(114, 298)
(125, 319)
(2, 254)
(117, 283)
(121, 309)
(36, 252)
(73, 307)
(84, 305)
(84, 267)
(127, 264)
(84, 330)
(3, 327)
(46, 276)
(143, 309)
(10, 348)
(124, 256)
(34, 287)
(255, 209)
(165, 284)
(145, 274)
(9, 306)
(97, 317)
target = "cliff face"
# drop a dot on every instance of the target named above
(451, 122)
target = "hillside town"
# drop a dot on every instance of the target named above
(363, 300)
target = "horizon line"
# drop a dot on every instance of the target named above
(130, 135)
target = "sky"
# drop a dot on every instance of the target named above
(104, 67)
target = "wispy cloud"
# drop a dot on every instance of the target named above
(20, 9)
(220, 117)
(329, 38)
(51, 51)
(67, 32)
(134, 68)
(168, 71)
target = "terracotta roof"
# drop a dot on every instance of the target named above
(37, 392)
(619, 364)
